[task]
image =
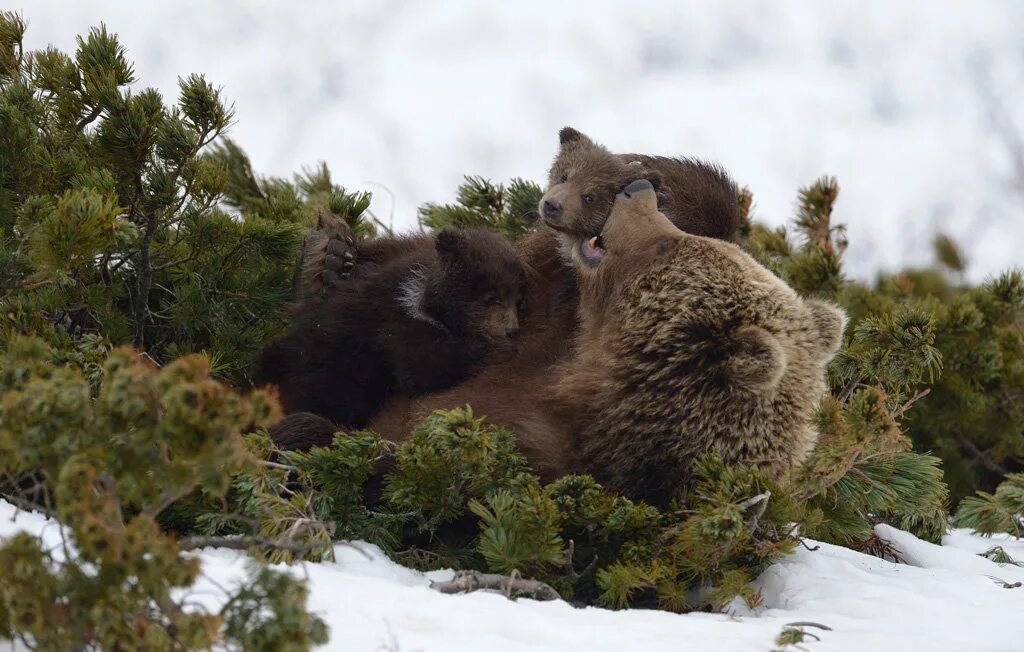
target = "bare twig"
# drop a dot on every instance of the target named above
(1004, 583)
(27, 505)
(753, 500)
(808, 623)
(901, 410)
(387, 229)
(27, 285)
(979, 455)
(466, 581)
(761, 500)
(246, 543)
(87, 119)
(570, 571)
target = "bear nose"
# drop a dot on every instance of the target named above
(512, 332)
(637, 187)
(552, 209)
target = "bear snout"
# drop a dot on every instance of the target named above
(637, 187)
(552, 209)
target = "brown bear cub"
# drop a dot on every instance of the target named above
(420, 321)
(585, 177)
(686, 346)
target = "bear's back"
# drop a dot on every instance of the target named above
(683, 329)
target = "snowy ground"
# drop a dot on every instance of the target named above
(945, 598)
(892, 96)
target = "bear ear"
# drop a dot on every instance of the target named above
(756, 360)
(637, 171)
(830, 320)
(654, 177)
(569, 135)
(451, 243)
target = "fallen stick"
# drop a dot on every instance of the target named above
(466, 581)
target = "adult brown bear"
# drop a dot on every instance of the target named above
(685, 346)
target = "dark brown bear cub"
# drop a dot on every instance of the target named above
(418, 323)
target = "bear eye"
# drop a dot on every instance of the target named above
(588, 199)
(565, 177)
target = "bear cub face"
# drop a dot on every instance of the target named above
(475, 289)
(582, 184)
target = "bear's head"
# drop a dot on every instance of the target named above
(689, 346)
(476, 286)
(698, 197)
(582, 184)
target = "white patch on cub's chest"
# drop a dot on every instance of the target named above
(411, 293)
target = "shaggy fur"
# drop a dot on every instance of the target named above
(698, 197)
(585, 177)
(418, 316)
(302, 431)
(687, 346)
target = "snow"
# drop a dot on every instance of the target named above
(944, 598)
(891, 96)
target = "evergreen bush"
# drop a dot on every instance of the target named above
(128, 221)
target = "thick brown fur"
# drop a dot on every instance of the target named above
(421, 313)
(685, 345)
(585, 177)
(703, 200)
(688, 346)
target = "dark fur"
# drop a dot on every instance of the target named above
(343, 358)
(301, 431)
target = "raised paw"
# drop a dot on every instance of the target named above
(339, 260)
(327, 258)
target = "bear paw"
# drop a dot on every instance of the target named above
(327, 257)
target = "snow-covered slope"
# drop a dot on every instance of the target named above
(887, 95)
(945, 599)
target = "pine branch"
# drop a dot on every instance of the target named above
(979, 455)
(468, 581)
(246, 543)
(89, 118)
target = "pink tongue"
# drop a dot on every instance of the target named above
(591, 251)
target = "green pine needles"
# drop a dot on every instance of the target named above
(105, 461)
(1002, 511)
(126, 220)
(510, 210)
(134, 220)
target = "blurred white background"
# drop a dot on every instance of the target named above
(910, 104)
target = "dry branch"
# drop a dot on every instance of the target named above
(466, 581)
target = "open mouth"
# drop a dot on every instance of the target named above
(592, 251)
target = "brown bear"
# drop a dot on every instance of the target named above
(585, 178)
(686, 345)
(698, 197)
(421, 321)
